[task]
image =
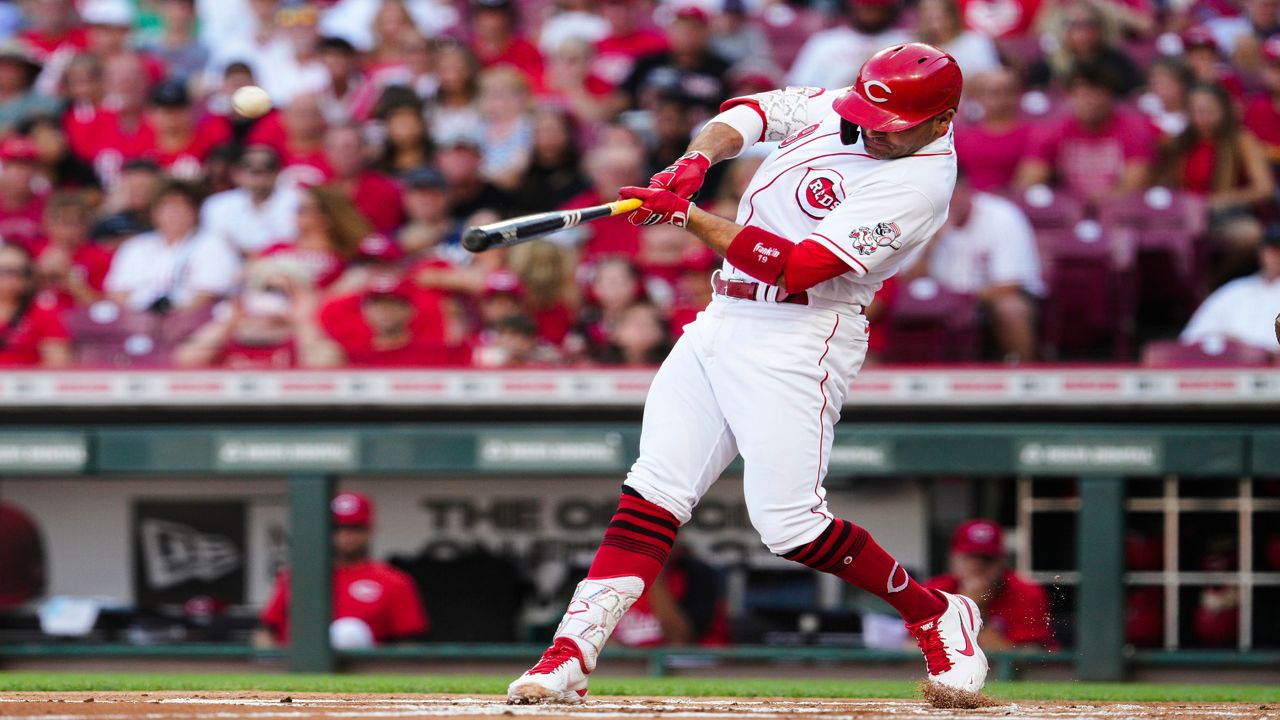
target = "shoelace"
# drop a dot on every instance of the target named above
(935, 653)
(560, 651)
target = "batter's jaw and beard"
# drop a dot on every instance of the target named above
(894, 145)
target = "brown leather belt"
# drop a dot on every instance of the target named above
(748, 290)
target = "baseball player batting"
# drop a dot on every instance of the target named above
(859, 181)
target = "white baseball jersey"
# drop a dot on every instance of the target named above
(873, 214)
(767, 380)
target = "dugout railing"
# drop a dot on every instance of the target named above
(1102, 456)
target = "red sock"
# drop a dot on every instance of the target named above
(637, 540)
(848, 552)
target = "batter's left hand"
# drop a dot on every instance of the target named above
(660, 206)
(684, 176)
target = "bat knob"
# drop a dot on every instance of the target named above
(475, 240)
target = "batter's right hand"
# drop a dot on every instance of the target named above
(684, 176)
(660, 206)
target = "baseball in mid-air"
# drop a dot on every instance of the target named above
(251, 101)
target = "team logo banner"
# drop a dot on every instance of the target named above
(188, 548)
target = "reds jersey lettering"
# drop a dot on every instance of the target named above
(819, 192)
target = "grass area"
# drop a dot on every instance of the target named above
(672, 687)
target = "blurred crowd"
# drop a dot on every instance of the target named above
(1118, 164)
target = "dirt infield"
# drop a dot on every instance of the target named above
(280, 706)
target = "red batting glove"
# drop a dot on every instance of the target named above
(660, 206)
(684, 176)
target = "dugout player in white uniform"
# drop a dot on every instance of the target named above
(859, 182)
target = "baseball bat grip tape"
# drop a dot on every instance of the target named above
(529, 227)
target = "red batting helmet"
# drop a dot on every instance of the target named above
(901, 87)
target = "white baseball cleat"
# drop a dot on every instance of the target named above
(950, 645)
(557, 678)
(561, 675)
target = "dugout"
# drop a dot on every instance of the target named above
(1070, 459)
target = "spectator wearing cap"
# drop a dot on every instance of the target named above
(1244, 309)
(507, 126)
(18, 99)
(374, 194)
(1015, 611)
(1262, 110)
(175, 44)
(459, 156)
(260, 211)
(554, 173)
(989, 149)
(987, 249)
(938, 23)
(1086, 35)
(22, 558)
(426, 205)
(689, 68)
(21, 207)
(1204, 58)
(408, 145)
(831, 58)
(373, 603)
(70, 268)
(1098, 148)
(271, 325)
(392, 322)
(495, 40)
(502, 296)
(31, 332)
(176, 266)
(607, 166)
(108, 24)
(178, 142)
(52, 26)
(1216, 158)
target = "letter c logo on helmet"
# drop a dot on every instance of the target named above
(866, 90)
(900, 87)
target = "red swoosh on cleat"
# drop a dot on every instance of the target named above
(968, 644)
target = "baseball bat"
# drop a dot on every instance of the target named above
(529, 227)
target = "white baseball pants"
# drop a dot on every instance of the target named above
(762, 379)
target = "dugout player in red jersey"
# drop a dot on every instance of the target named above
(1015, 611)
(373, 603)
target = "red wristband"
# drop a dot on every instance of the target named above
(759, 253)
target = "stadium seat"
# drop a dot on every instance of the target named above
(1167, 226)
(1219, 353)
(930, 324)
(1049, 209)
(1089, 311)
(103, 335)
